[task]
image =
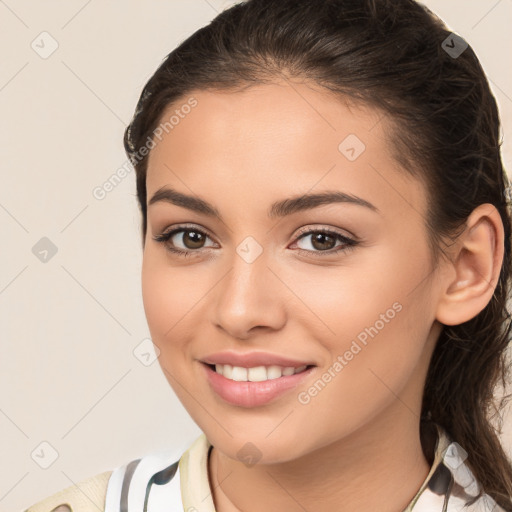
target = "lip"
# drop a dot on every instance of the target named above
(252, 394)
(251, 359)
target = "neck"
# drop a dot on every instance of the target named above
(379, 467)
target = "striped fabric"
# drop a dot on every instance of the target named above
(165, 482)
(177, 481)
(168, 483)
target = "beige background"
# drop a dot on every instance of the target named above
(68, 374)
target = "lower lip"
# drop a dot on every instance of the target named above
(252, 394)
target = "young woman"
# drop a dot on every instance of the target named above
(326, 266)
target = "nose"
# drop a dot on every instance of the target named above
(249, 297)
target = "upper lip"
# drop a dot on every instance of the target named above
(252, 359)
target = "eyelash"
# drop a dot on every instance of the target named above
(349, 243)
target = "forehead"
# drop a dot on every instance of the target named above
(279, 139)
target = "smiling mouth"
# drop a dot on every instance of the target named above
(257, 373)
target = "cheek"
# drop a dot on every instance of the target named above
(173, 297)
(363, 376)
(374, 326)
(167, 305)
(166, 297)
(342, 302)
(158, 298)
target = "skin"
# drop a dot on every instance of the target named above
(355, 445)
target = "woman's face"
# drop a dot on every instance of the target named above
(253, 281)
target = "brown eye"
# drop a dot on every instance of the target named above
(184, 240)
(192, 239)
(322, 241)
(189, 241)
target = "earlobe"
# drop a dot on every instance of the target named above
(476, 264)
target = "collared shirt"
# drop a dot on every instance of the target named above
(169, 482)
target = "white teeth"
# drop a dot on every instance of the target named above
(257, 373)
(239, 373)
(274, 372)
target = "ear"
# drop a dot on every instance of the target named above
(474, 269)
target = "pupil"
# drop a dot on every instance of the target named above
(195, 243)
(319, 237)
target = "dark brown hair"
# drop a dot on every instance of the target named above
(393, 55)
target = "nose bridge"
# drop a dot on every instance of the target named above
(249, 269)
(247, 296)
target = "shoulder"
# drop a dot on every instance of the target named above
(151, 482)
(86, 496)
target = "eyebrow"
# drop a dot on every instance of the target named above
(280, 208)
